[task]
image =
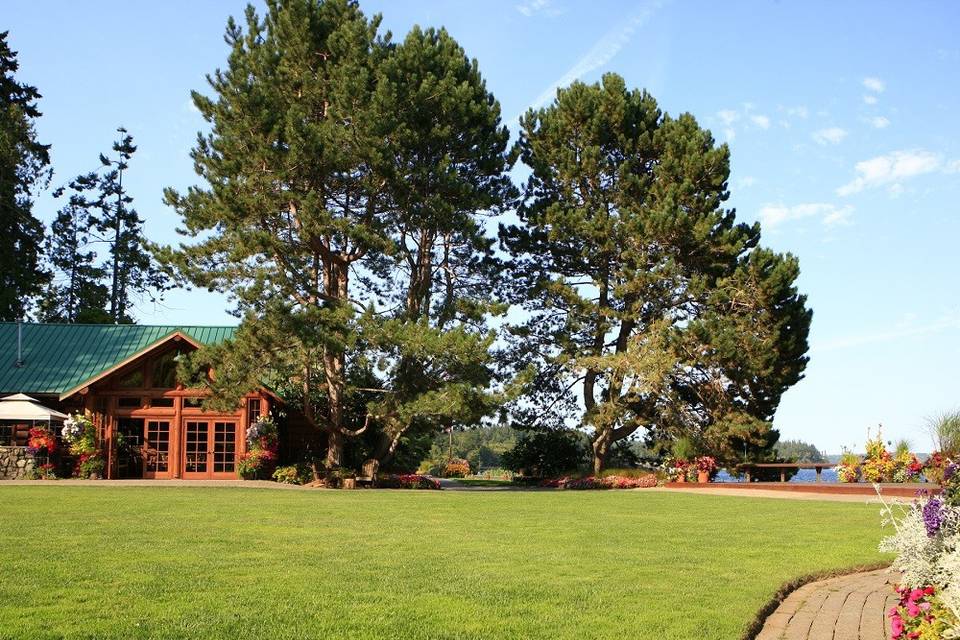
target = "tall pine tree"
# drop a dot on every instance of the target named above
(345, 176)
(24, 168)
(646, 297)
(76, 292)
(130, 267)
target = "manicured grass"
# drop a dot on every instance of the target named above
(159, 562)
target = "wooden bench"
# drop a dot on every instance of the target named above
(369, 475)
(784, 466)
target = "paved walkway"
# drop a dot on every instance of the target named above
(783, 495)
(851, 607)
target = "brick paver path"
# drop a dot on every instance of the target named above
(849, 607)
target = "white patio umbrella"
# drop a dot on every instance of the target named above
(23, 407)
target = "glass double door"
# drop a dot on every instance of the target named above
(209, 449)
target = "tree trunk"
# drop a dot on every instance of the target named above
(601, 446)
(334, 449)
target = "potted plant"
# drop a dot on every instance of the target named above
(706, 468)
(261, 453)
(677, 469)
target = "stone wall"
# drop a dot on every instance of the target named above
(15, 462)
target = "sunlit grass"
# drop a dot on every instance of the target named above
(143, 562)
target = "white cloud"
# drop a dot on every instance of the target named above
(773, 215)
(746, 182)
(728, 116)
(952, 167)
(909, 328)
(870, 99)
(875, 85)
(602, 52)
(888, 170)
(730, 134)
(879, 122)
(533, 7)
(799, 111)
(761, 121)
(831, 135)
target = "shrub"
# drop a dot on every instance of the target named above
(604, 482)
(43, 472)
(91, 464)
(293, 474)
(497, 474)
(456, 468)
(407, 481)
(546, 453)
(945, 430)
(626, 473)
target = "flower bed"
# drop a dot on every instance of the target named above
(880, 465)
(407, 481)
(926, 542)
(608, 482)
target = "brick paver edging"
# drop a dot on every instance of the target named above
(831, 599)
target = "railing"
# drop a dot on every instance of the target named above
(784, 466)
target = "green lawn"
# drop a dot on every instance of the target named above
(142, 562)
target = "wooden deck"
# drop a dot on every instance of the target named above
(849, 607)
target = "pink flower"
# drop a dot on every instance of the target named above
(912, 610)
(896, 627)
(916, 594)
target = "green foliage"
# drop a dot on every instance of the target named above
(547, 453)
(76, 292)
(482, 446)
(945, 430)
(293, 474)
(24, 170)
(345, 179)
(642, 289)
(798, 451)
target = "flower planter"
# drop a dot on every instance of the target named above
(348, 483)
(703, 477)
(681, 479)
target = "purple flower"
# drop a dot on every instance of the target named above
(933, 516)
(949, 472)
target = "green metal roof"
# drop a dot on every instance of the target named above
(58, 357)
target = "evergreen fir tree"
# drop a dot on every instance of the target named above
(76, 293)
(129, 267)
(23, 170)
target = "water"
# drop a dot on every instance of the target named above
(803, 475)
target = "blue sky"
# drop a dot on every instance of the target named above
(841, 117)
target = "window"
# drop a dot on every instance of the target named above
(165, 371)
(163, 403)
(133, 380)
(7, 435)
(129, 402)
(253, 409)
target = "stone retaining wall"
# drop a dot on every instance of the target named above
(15, 462)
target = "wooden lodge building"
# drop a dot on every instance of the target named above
(123, 377)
